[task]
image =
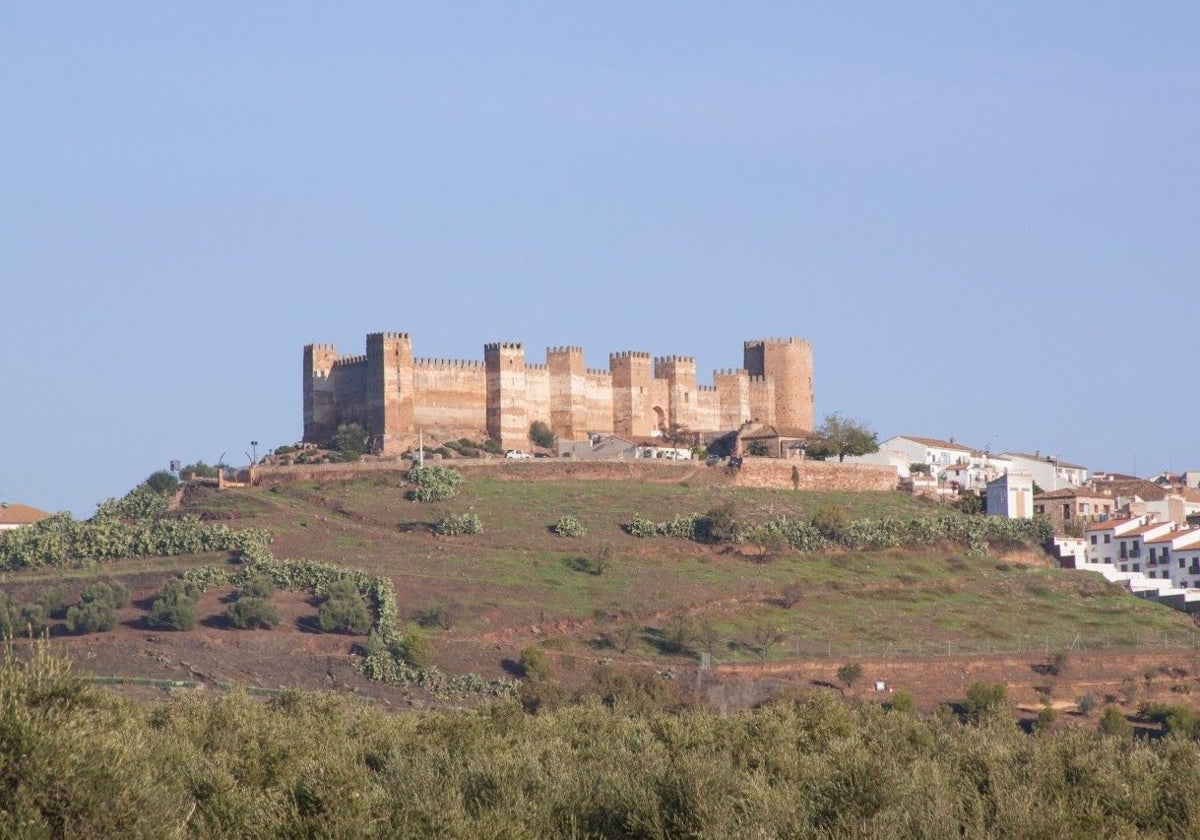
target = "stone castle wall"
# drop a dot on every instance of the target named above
(393, 394)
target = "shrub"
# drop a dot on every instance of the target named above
(902, 701)
(91, 617)
(349, 441)
(18, 620)
(642, 527)
(110, 592)
(1045, 719)
(721, 524)
(414, 648)
(259, 586)
(175, 606)
(1086, 705)
(433, 484)
(162, 482)
(534, 664)
(567, 526)
(1114, 724)
(441, 615)
(831, 523)
(541, 434)
(249, 612)
(1058, 663)
(463, 524)
(344, 614)
(53, 601)
(984, 702)
(493, 447)
(1175, 719)
(203, 470)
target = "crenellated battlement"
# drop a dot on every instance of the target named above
(392, 394)
(773, 342)
(426, 362)
(386, 336)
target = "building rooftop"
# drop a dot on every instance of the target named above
(1045, 459)
(937, 443)
(18, 514)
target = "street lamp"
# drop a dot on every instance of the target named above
(254, 451)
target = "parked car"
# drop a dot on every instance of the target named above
(516, 455)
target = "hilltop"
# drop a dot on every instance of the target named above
(918, 617)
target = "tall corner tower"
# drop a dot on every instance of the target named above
(632, 392)
(788, 363)
(320, 404)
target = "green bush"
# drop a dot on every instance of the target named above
(259, 586)
(414, 648)
(91, 617)
(175, 606)
(720, 525)
(849, 674)
(1045, 719)
(541, 434)
(1175, 719)
(984, 702)
(349, 441)
(534, 664)
(642, 527)
(433, 484)
(567, 526)
(249, 612)
(53, 601)
(16, 620)
(162, 482)
(1114, 724)
(463, 524)
(343, 613)
(902, 702)
(110, 592)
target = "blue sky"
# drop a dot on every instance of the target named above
(984, 218)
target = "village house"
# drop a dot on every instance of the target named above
(1010, 495)
(1168, 556)
(1102, 536)
(1049, 471)
(13, 515)
(1073, 505)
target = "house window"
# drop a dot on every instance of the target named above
(1093, 539)
(1083, 508)
(1181, 562)
(1107, 538)
(1137, 567)
(1124, 567)
(1066, 510)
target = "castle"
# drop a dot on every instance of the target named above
(392, 395)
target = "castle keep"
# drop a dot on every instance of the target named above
(392, 394)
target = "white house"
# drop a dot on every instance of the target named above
(1167, 557)
(1101, 537)
(13, 515)
(1132, 555)
(1049, 471)
(1010, 495)
(903, 450)
(975, 473)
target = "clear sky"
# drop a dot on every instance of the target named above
(983, 216)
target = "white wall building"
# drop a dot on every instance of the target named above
(1049, 471)
(1168, 555)
(1010, 495)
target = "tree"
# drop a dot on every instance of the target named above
(249, 612)
(541, 434)
(350, 441)
(841, 436)
(162, 482)
(849, 674)
(678, 434)
(984, 702)
(1114, 724)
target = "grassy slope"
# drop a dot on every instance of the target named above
(517, 573)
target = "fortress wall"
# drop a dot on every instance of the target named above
(450, 394)
(733, 396)
(659, 415)
(761, 392)
(507, 401)
(632, 395)
(389, 390)
(349, 377)
(568, 392)
(598, 400)
(537, 396)
(788, 361)
(707, 412)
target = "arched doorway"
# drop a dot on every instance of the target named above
(660, 419)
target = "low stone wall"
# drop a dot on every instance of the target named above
(814, 475)
(755, 472)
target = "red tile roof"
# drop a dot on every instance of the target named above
(937, 444)
(18, 514)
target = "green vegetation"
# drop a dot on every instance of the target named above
(567, 526)
(175, 607)
(462, 524)
(88, 764)
(349, 441)
(840, 436)
(343, 610)
(162, 482)
(540, 434)
(433, 484)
